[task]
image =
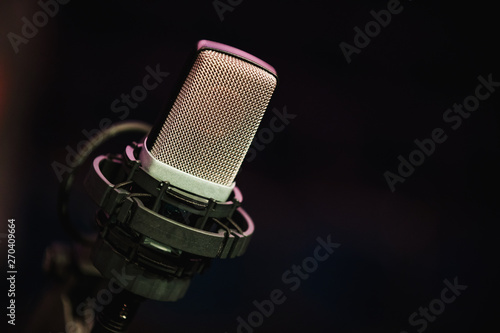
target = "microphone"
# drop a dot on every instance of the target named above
(169, 205)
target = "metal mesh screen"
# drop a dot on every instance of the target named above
(215, 117)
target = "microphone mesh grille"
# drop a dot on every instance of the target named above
(212, 122)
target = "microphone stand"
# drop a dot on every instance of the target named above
(117, 315)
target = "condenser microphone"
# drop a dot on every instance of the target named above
(169, 204)
(207, 132)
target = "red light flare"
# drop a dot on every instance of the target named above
(3, 95)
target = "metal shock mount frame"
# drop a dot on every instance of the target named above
(155, 234)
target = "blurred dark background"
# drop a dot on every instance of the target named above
(322, 175)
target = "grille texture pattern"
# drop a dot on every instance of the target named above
(214, 119)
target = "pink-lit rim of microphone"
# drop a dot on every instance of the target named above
(207, 44)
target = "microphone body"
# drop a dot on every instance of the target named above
(202, 139)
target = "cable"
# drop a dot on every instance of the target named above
(83, 155)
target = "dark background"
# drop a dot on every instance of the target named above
(324, 174)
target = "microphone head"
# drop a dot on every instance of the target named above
(202, 140)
